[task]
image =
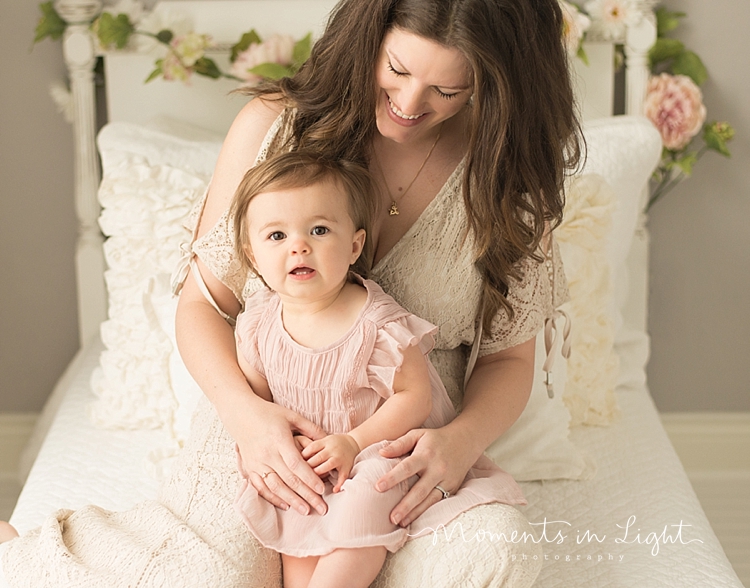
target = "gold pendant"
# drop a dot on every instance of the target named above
(394, 209)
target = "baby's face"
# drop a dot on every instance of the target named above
(303, 240)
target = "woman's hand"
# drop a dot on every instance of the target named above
(271, 456)
(437, 458)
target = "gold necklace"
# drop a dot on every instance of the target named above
(393, 210)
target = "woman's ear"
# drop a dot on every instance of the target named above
(358, 243)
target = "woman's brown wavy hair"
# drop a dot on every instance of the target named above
(523, 132)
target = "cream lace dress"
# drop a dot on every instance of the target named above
(191, 536)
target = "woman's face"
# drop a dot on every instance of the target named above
(420, 83)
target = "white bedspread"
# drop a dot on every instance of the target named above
(639, 478)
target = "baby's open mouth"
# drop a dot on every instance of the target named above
(301, 271)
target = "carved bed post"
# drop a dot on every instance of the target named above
(638, 40)
(80, 58)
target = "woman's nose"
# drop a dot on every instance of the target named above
(411, 100)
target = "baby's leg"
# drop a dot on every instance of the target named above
(348, 568)
(297, 571)
(7, 532)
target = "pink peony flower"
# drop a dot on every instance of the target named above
(276, 49)
(575, 24)
(675, 105)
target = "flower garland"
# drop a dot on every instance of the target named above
(129, 26)
(674, 102)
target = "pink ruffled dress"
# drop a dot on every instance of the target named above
(338, 387)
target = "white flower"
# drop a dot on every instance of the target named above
(190, 47)
(173, 69)
(158, 20)
(611, 17)
(575, 24)
(276, 49)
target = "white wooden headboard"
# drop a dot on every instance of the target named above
(205, 103)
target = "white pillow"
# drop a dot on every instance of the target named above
(593, 364)
(151, 179)
(537, 447)
(623, 150)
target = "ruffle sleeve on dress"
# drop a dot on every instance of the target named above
(247, 326)
(393, 338)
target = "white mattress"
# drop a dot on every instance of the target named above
(639, 475)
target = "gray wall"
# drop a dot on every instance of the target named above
(700, 283)
(38, 322)
(700, 248)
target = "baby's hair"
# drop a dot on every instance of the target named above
(296, 169)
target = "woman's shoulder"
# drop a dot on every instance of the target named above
(243, 142)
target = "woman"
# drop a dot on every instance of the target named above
(463, 111)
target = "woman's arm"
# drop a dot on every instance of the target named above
(263, 431)
(495, 397)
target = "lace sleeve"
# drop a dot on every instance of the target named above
(534, 298)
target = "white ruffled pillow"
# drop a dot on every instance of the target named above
(592, 368)
(623, 151)
(151, 180)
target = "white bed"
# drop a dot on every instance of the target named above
(629, 486)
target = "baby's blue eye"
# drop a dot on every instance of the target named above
(318, 231)
(276, 236)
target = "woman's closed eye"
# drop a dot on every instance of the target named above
(319, 231)
(439, 92)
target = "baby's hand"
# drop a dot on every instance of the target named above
(334, 452)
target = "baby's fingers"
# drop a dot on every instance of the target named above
(313, 448)
(344, 472)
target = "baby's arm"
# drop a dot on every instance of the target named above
(407, 409)
(257, 382)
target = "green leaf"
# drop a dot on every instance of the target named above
(582, 54)
(690, 65)
(715, 142)
(686, 162)
(302, 50)
(247, 39)
(165, 36)
(207, 67)
(114, 31)
(271, 71)
(665, 49)
(50, 24)
(667, 21)
(157, 71)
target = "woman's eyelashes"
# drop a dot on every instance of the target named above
(437, 90)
